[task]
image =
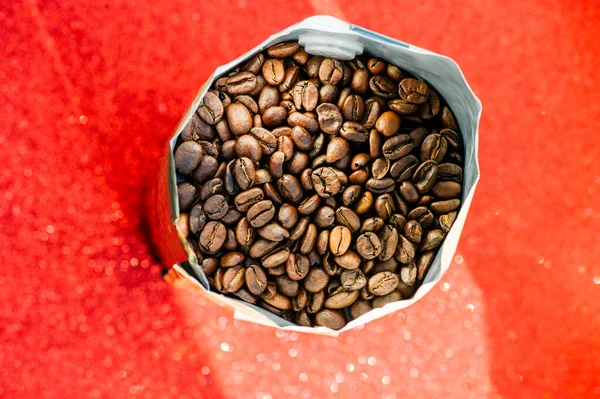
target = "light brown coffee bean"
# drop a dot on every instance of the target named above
(339, 240)
(368, 245)
(383, 283)
(341, 298)
(316, 280)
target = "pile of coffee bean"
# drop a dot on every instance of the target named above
(315, 188)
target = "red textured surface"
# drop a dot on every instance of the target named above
(88, 96)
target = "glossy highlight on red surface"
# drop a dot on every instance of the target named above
(91, 91)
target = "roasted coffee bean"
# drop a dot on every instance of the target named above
(413, 91)
(353, 280)
(353, 108)
(300, 228)
(212, 237)
(261, 247)
(408, 274)
(446, 221)
(273, 232)
(452, 138)
(359, 308)
(434, 147)
(322, 242)
(403, 107)
(287, 215)
(360, 81)
(239, 119)
(409, 192)
(230, 243)
(326, 182)
(345, 216)
(351, 195)
(349, 260)
(291, 76)
(186, 194)
(233, 279)
(309, 205)
(354, 132)
(390, 265)
(274, 116)
(298, 164)
(384, 206)
(273, 71)
(287, 286)
(449, 172)
(308, 242)
(365, 202)
(382, 283)
(285, 144)
(372, 224)
(430, 108)
(381, 301)
(368, 245)
(425, 176)
(244, 200)
(388, 236)
(187, 157)
(183, 224)
(206, 170)
(211, 187)
(216, 207)
(276, 258)
(289, 187)
(300, 301)
(211, 108)
(380, 168)
(413, 231)
(372, 113)
(447, 119)
(209, 266)
(328, 94)
(247, 146)
(388, 123)
(341, 298)
(381, 186)
(245, 295)
(446, 190)
(432, 240)
(331, 71)
(197, 219)
(383, 86)
(397, 147)
(297, 266)
(228, 150)
(418, 135)
(339, 240)
(376, 66)
(197, 130)
(324, 217)
(303, 120)
(244, 232)
(337, 149)
(405, 251)
(329, 118)
(243, 171)
(305, 95)
(283, 50)
(255, 63)
(278, 301)
(262, 176)
(316, 280)
(241, 83)
(260, 213)
(269, 97)
(422, 215)
(329, 318)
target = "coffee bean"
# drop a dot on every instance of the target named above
(354, 132)
(261, 247)
(430, 108)
(212, 237)
(290, 78)
(432, 240)
(244, 232)
(273, 232)
(211, 108)
(301, 138)
(360, 81)
(287, 286)
(351, 194)
(269, 97)
(309, 240)
(339, 240)
(255, 63)
(186, 194)
(197, 130)
(309, 205)
(233, 279)
(283, 50)
(244, 173)
(381, 301)
(388, 123)
(273, 71)
(446, 221)
(316, 280)
(405, 251)
(341, 298)
(408, 274)
(187, 157)
(372, 224)
(297, 266)
(382, 283)
(353, 108)
(330, 318)
(329, 118)
(345, 216)
(322, 242)
(418, 135)
(452, 138)
(388, 236)
(274, 116)
(303, 120)
(422, 215)
(380, 168)
(241, 83)
(447, 119)
(305, 95)
(359, 308)
(425, 176)
(278, 301)
(381, 186)
(449, 172)
(276, 258)
(216, 207)
(206, 170)
(384, 206)
(413, 91)
(376, 66)
(375, 144)
(409, 192)
(330, 71)
(243, 201)
(326, 182)
(434, 147)
(382, 86)
(324, 217)
(397, 147)
(290, 188)
(260, 213)
(413, 231)
(349, 260)
(368, 245)
(300, 228)
(446, 190)
(239, 119)
(364, 203)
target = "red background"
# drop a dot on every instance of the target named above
(90, 93)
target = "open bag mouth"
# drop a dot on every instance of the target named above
(332, 39)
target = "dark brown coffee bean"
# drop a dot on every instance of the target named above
(452, 138)
(322, 242)
(324, 217)
(383, 283)
(230, 241)
(388, 123)
(330, 318)
(206, 170)
(255, 63)
(218, 280)
(381, 301)
(446, 221)
(276, 164)
(372, 113)
(354, 132)
(273, 71)
(274, 232)
(316, 280)
(341, 298)
(330, 71)
(409, 192)
(287, 215)
(423, 264)
(286, 145)
(351, 194)
(187, 157)
(425, 176)
(394, 72)
(269, 97)
(446, 190)
(209, 266)
(247, 146)
(216, 207)
(376, 66)
(262, 176)
(403, 107)
(413, 91)
(244, 200)
(405, 251)
(274, 116)
(303, 120)
(431, 107)
(345, 216)
(290, 78)
(283, 50)
(349, 260)
(383, 86)
(313, 65)
(211, 187)
(261, 247)
(300, 228)
(244, 173)
(360, 81)
(364, 204)
(186, 195)
(447, 119)
(380, 168)
(372, 224)
(305, 95)
(353, 108)
(381, 186)
(300, 57)
(329, 118)
(261, 213)
(365, 294)
(413, 231)
(212, 237)
(353, 280)
(301, 138)
(223, 130)
(375, 144)
(309, 240)
(326, 182)
(276, 258)
(404, 168)
(241, 83)
(359, 308)
(233, 279)
(449, 172)
(390, 265)
(239, 119)
(289, 187)
(328, 94)
(400, 203)
(211, 109)
(388, 236)
(197, 219)
(330, 202)
(422, 215)
(197, 130)
(339, 240)
(287, 286)
(244, 232)
(434, 147)
(337, 149)
(302, 319)
(309, 205)
(432, 240)
(228, 150)
(397, 147)
(245, 295)
(297, 266)
(315, 302)
(384, 206)
(418, 135)
(368, 245)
